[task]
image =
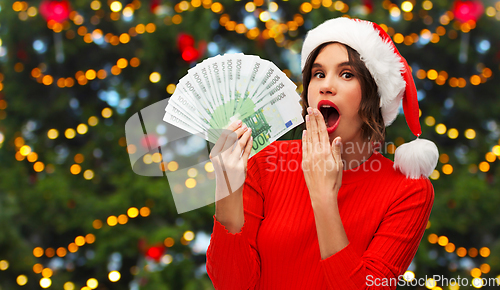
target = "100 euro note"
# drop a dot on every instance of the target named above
(274, 119)
(233, 87)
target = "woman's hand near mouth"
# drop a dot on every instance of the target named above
(322, 166)
(322, 162)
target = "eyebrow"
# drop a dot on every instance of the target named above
(345, 63)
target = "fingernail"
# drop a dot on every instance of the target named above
(244, 127)
(307, 118)
(337, 141)
(239, 122)
(303, 133)
(309, 110)
(316, 112)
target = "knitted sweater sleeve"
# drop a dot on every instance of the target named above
(393, 246)
(233, 260)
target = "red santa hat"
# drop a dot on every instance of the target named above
(394, 82)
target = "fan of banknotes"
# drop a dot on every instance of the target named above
(223, 89)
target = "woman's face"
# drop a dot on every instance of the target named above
(335, 91)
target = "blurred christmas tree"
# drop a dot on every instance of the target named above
(73, 214)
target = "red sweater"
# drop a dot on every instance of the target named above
(384, 215)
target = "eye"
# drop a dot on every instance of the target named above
(347, 75)
(318, 74)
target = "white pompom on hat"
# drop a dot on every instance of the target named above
(394, 82)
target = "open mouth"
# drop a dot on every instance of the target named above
(330, 113)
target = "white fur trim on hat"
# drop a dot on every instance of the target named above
(416, 158)
(378, 55)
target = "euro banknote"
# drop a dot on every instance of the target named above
(230, 87)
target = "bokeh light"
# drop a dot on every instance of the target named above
(52, 134)
(461, 252)
(93, 121)
(4, 265)
(209, 167)
(442, 241)
(75, 169)
(82, 129)
(88, 174)
(25, 150)
(69, 285)
(115, 6)
(470, 134)
(188, 235)
(72, 247)
(70, 133)
(106, 112)
(172, 166)
(430, 121)
(122, 219)
(169, 242)
(92, 283)
(453, 133)
(484, 166)
(45, 282)
(21, 280)
(132, 212)
(144, 211)
(496, 150)
(114, 276)
(154, 77)
(490, 157)
(112, 220)
(440, 129)
(47, 272)
(447, 169)
(80, 241)
(190, 183)
(97, 224)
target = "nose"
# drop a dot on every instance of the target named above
(328, 87)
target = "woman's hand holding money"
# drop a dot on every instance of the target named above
(229, 157)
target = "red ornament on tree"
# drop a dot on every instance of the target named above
(467, 10)
(185, 43)
(155, 253)
(190, 54)
(54, 10)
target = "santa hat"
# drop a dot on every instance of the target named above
(394, 81)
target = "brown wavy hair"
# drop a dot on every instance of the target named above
(369, 111)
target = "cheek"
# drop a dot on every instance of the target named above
(356, 95)
(355, 102)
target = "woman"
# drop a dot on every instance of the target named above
(328, 211)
